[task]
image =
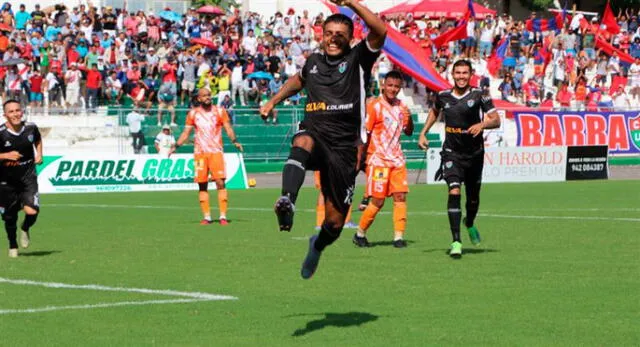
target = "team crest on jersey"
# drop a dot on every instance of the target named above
(342, 67)
(448, 164)
(1, 210)
(470, 103)
(30, 138)
(447, 105)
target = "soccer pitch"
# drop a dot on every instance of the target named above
(558, 266)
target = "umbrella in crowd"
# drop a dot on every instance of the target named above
(204, 42)
(261, 75)
(213, 10)
(170, 16)
(13, 61)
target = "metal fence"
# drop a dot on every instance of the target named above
(263, 140)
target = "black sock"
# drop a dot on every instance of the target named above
(472, 211)
(11, 227)
(29, 221)
(327, 236)
(455, 214)
(293, 172)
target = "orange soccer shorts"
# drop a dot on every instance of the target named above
(384, 181)
(316, 179)
(209, 163)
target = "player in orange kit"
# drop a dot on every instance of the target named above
(387, 118)
(208, 121)
(320, 206)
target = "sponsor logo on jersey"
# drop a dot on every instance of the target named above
(342, 67)
(452, 130)
(7, 144)
(321, 106)
(314, 70)
(447, 105)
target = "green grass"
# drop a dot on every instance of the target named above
(566, 278)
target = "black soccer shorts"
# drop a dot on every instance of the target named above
(458, 169)
(338, 166)
(16, 196)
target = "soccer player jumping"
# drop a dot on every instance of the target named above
(331, 131)
(387, 119)
(20, 151)
(463, 149)
(208, 121)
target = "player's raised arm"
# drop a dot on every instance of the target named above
(293, 85)
(377, 28)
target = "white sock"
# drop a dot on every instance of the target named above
(397, 236)
(360, 233)
(207, 217)
(223, 216)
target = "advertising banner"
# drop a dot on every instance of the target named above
(115, 173)
(620, 131)
(514, 164)
(587, 163)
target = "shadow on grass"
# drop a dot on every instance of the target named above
(388, 243)
(38, 253)
(464, 250)
(341, 320)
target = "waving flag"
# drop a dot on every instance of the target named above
(556, 23)
(609, 19)
(459, 32)
(495, 61)
(404, 53)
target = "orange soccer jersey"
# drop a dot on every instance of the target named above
(386, 171)
(208, 150)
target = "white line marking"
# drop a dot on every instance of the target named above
(422, 213)
(193, 295)
(102, 305)
(188, 297)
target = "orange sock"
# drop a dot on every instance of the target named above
(204, 204)
(222, 202)
(348, 219)
(319, 214)
(367, 217)
(399, 219)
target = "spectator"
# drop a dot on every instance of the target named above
(94, 83)
(134, 120)
(167, 99)
(165, 142)
(36, 85)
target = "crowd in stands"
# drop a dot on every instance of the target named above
(86, 56)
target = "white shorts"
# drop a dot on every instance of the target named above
(188, 85)
(73, 95)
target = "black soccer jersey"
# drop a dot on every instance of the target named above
(335, 108)
(19, 172)
(460, 113)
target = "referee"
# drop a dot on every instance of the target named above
(20, 151)
(463, 150)
(331, 133)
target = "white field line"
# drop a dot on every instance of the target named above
(419, 213)
(187, 297)
(92, 306)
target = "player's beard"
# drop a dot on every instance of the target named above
(206, 104)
